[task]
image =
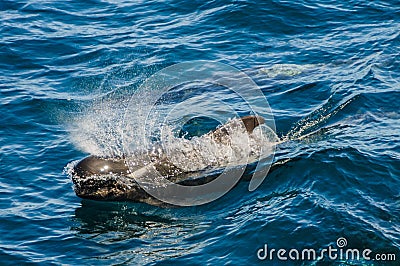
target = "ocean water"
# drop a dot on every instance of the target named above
(330, 72)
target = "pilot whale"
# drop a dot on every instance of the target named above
(110, 179)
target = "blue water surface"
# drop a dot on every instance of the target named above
(329, 69)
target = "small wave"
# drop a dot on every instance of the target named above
(286, 70)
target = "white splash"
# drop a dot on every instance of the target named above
(215, 150)
(97, 130)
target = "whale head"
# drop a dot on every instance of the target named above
(95, 165)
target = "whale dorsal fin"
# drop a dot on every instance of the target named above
(250, 122)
